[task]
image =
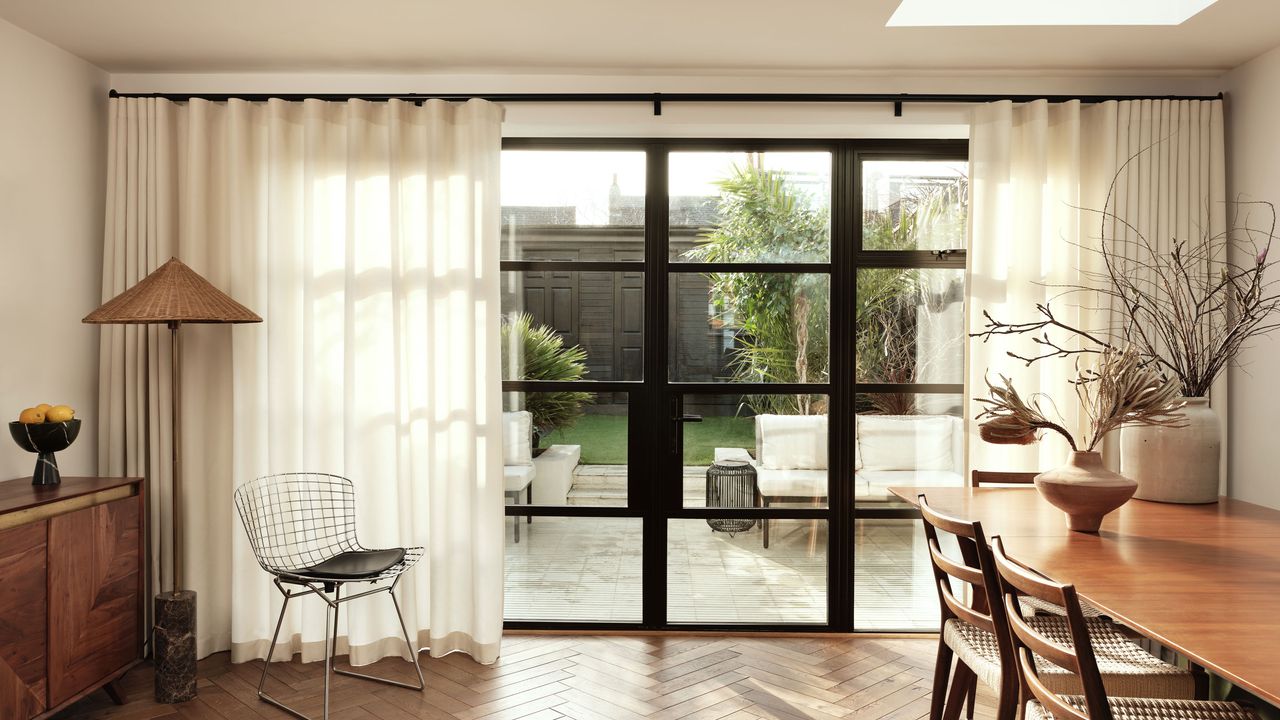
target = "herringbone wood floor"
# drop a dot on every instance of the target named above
(583, 678)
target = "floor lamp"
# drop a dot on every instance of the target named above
(174, 294)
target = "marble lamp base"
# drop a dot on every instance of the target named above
(174, 646)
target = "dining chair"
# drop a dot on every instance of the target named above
(993, 477)
(302, 528)
(1043, 656)
(976, 633)
(1030, 605)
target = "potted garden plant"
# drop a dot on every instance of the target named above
(531, 351)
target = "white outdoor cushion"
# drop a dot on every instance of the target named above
(792, 483)
(875, 484)
(791, 442)
(517, 438)
(517, 477)
(905, 442)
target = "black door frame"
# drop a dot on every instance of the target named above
(651, 400)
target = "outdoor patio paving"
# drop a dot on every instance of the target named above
(588, 569)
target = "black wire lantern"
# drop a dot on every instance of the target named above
(730, 484)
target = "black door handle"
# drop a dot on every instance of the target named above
(689, 418)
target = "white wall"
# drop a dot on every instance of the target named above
(52, 183)
(1253, 172)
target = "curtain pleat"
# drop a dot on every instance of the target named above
(366, 235)
(1040, 174)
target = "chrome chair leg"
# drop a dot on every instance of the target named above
(413, 653)
(262, 682)
(329, 642)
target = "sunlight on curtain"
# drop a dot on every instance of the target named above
(366, 235)
(1040, 173)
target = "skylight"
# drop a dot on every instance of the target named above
(949, 13)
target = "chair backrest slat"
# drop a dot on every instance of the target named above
(1015, 580)
(1052, 702)
(992, 477)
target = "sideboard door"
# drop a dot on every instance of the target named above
(94, 569)
(22, 617)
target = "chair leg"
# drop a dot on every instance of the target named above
(960, 682)
(765, 525)
(413, 651)
(941, 670)
(972, 700)
(528, 500)
(271, 649)
(329, 641)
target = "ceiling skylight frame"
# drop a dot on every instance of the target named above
(1044, 13)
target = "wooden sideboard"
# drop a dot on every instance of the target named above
(72, 590)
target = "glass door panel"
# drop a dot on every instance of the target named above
(723, 578)
(758, 207)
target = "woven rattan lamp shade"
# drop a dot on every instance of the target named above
(173, 293)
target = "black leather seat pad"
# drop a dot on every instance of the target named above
(355, 565)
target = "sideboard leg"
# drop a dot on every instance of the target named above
(115, 692)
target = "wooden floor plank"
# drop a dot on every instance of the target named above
(562, 677)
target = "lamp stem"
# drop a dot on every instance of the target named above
(175, 393)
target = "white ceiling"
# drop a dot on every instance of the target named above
(600, 36)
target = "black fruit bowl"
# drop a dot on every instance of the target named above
(45, 439)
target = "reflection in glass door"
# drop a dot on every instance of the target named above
(722, 355)
(749, 298)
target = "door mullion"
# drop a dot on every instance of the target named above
(653, 437)
(840, 416)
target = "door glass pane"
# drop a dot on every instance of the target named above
(910, 325)
(892, 580)
(906, 440)
(754, 451)
(572, 205)
(750, 207)
(915, 204)
(571, 325)
(749, 327)
(903, 440)
(722, 578)
(565, 448)
(583, 569)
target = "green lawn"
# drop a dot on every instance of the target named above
(604, 438)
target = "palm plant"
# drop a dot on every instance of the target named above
(781, 318)
(536, 352)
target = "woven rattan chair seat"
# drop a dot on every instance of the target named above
(1127, 670)
(1128, 708)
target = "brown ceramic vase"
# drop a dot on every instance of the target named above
(1085, 490)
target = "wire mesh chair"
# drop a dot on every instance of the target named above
(302, 530)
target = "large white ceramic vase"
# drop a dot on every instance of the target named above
(1175, 465)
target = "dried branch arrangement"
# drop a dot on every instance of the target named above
(1189, 310)
(1122, 390)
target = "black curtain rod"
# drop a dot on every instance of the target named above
(897, 99)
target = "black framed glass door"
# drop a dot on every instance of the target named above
(682, 331)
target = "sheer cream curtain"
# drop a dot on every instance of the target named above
(366, 235)
(1033, 167)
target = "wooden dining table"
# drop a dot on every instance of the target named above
(1203, 580)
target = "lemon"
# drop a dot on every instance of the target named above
(59, 413)
(44, 408)
(31, 416)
